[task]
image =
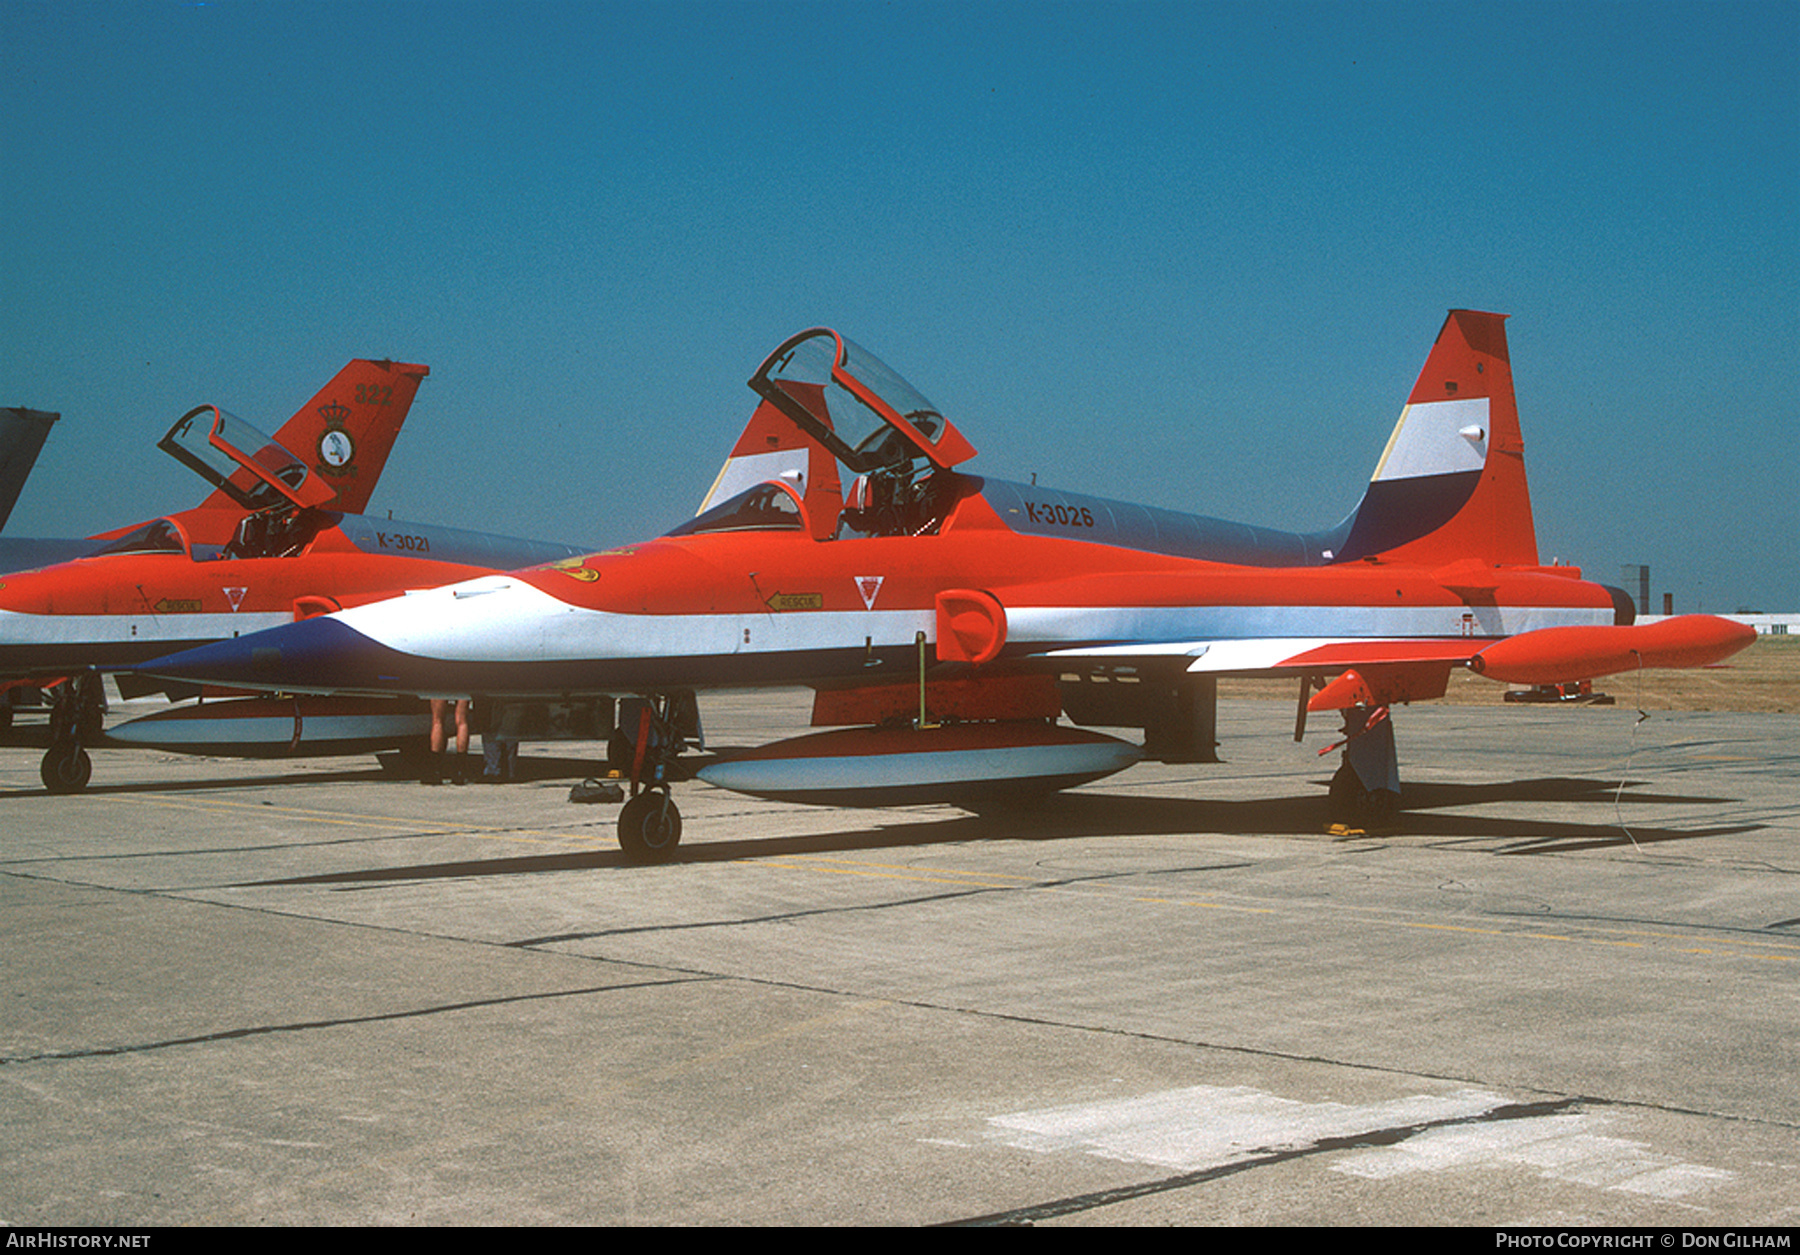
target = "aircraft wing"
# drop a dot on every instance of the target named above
(1376, 671)
(1284, 654)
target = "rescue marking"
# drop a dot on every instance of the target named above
(796, 601)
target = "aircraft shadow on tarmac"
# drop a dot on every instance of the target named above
(530, 770)
(1100, 814)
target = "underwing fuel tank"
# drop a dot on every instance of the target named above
(963, 764)
(281, 727)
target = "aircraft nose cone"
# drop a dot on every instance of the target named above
(313, 655)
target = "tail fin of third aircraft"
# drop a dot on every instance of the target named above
(346, 431)
(22, 435)
(772, 447)
(1451, 484)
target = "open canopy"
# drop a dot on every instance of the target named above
(246, 465)
(852, 403)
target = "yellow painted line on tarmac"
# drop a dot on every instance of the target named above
(878, 871)
(909, 868)
(1209, 906)
(297, 812)
(338, 819)
(1785, 951)
(1633, 940)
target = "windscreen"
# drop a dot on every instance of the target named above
(768, 507)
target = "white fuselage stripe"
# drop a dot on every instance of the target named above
(17, 628)
(497, 619)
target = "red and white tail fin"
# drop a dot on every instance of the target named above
(1451, 484)
(344, 434)
(774, 447)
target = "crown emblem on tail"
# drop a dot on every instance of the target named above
(337, 450)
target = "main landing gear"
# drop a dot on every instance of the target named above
(77, 712)
(652, 731)
(1365, 792)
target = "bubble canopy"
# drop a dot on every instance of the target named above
(853, 403)
(241, 461)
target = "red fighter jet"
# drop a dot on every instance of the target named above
(956, 618)
(278, 538)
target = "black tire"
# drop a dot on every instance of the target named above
(1381, 809)
(650, 828)
(1343, 802)
(1350, 804)
(66, 769)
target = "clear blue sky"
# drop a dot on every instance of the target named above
(1187, 254)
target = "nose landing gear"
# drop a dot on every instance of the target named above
(650, 826)
(76, 715)
(649, 822)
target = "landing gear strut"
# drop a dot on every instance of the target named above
(76, 715)
(1365, 792)
(658, 729)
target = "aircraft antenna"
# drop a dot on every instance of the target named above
(1630, 750)
(924, 723)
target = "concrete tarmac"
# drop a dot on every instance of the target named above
(1565, 992)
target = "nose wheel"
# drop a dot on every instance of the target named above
(650, 827)
(76, 713)
(653, 731)
(66, 769)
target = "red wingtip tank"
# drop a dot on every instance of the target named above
(1563, 654)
